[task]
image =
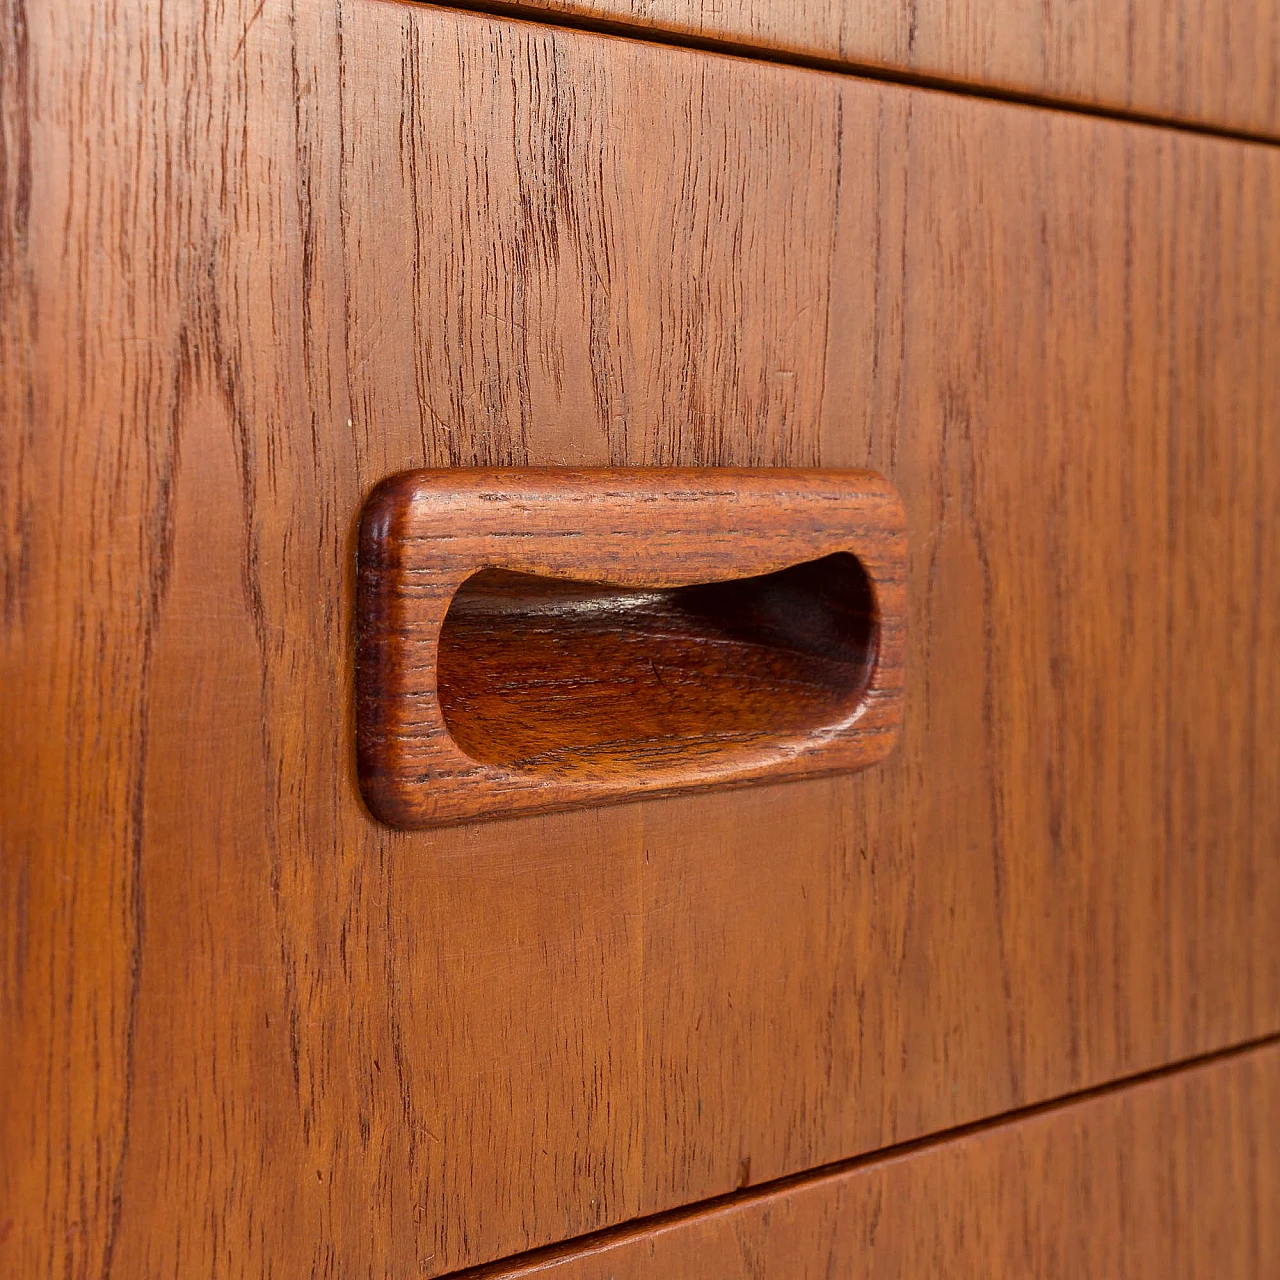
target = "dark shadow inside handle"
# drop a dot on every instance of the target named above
(576, 678)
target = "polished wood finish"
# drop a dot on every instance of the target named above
(258, 257)
(1174, 1178)
(1211, 63)
(530, 640)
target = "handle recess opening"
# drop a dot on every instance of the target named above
(580, 679)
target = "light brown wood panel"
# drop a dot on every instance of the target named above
(255, 258)
(1213, 63)
(1173, 1178)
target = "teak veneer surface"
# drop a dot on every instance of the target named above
(1213, 63)
(255, 258)
(1176, 1178)
(533, 639)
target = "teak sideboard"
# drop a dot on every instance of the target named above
(985, 984)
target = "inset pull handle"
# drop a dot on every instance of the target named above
(531, 640)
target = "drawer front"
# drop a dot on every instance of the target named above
(1173, 1178)
(255, 262)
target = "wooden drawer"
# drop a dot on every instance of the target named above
(258, 259)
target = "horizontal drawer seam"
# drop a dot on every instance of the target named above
(513, 11)
(642, 1226)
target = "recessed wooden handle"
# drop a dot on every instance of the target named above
(531, 640)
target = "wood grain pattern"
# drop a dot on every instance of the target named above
(1173, 1178)
(255, 258)
(484, 696)
(1213, 63)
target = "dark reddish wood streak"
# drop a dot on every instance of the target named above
(425, 533)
